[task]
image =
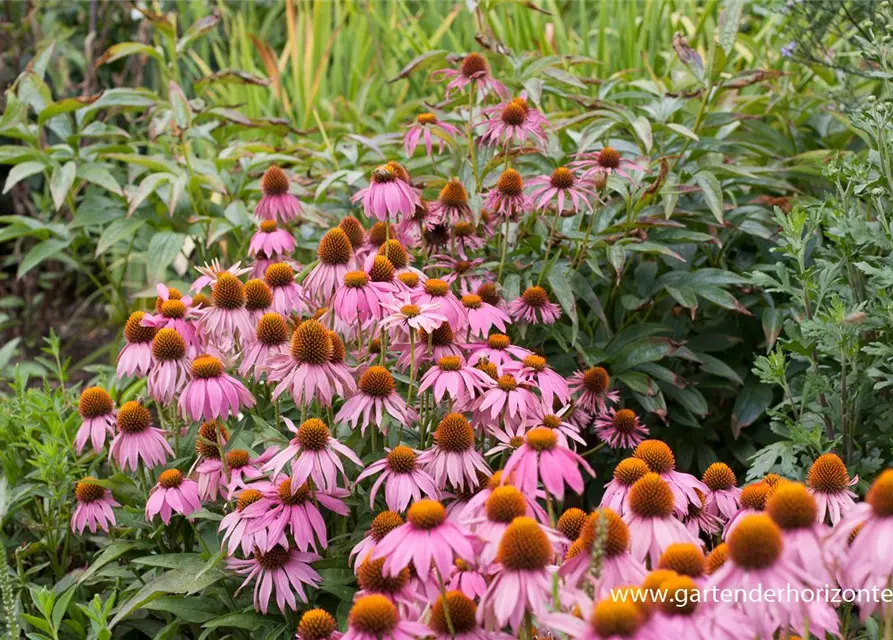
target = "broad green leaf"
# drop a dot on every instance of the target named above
(61, 181)
(719, 368)
(61, 606)
(753, 399)
(642, 127)
(179, 105)
(723, 298)
(111, 553)
(641, 351)
(22, 171)
(118, 230)
(124, 49)
(65, 106)
(196, 30)
(149, 184)
(729, 20)
(99, 175)
(712, 193)
(249, 621)
(684, 296)
(688, 397)
(48, 249)
(135, 98)
(682, 129)
(561, 287)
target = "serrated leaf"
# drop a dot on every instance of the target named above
(712, 191)
(61, 181)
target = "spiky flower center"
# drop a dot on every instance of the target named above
(380, 232)
(279, 274)
(170, 478)
(208, 431)
(463, 229)
(394, 251)
(228, 292)
(436, 288)
(311, 343)
(401, 459)
(755, 543)
(462, 610)
(168, 344)
(489, 293)
(717, 558)
(173, 309)
(442, 336)
(495, 480)
(880, 495)
(383, 524)
(681, 596)
(200, 300)
(274, 181)
(791, 506)
(453, 194)
(355, 232)
(551, 421)
(410, 310)
(382, 270)
(88, 491)
(316, 624)
(410, 279)
(684, 558)
(513, 114)
(541, 439)
(356, 279)
(94, 402)
(828, 474)
(524, 546)
(608, 158)
(474, 64)
(338, 350)
(268, 226)
(617, 538)
(562, 178)
(472, 301)
(426, 118)
(274, 559)
(383, 174)
(489, 368)
(449, 363)
(272, 330)
(426, 514)
(651, 497)
(510, 184)
(596, 380)
(293, 498)
(374, 615)
(498, 341)
(371, 578)
(535, 297)
(629, 470)
(754, 496)
(505, 503)
(136, 333)
(237, 458)
(206, 366)
(535, 362)
(719, 477)
(377, 382)
(247, 498)
(571, 523)
(615, 618)
(172, 294)
(133, 417)
(258, 295)
(625, 421)
(313, 435)
(507, 382)
(773, 480)
(657, 455)
(334, 248)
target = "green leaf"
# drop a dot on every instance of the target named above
(124, 49)
(48, 249)
(642, 127)
(179, 105)
(719, 368)
(99, 175)
(682, 129)
(191, 610)
(65, 106)
(149, 184)
(22, 171)
(688, 397)
(61, 606)
(729, 20)
(249, 621)
(723, 298)
(197, 29)
(754, 398)
(61, 181)
(712, 193)
(111, 553)
(117, 231)
(641, 351)
(684, 296)
(561, 287)
(134, 98)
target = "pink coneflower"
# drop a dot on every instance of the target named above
(660, 459)
(287, 295)
(474, 71)
(314, 454)
(243, 469)
(434, 345)
(650, 519)
(521, 584)
(466, 238)
(618, 567)
(451, 205)
(427, 537)
(462, 623)
(98, 413)
(594, 387)
(507, 399)
(405, 316)
(170, 367)
(317, 624)
(136, 356)
(614, 617)
(753, 500)
(359, 299)
(276, 202)
(534, 371)
(174, 313)
(228, 316)
(283, 509)
(258, 301)
(607, 160)
(306, 371)
(398, 588)
(498, 349)
(382, 525)
(453, 457)
(376, 396)
(94, 508)
(403, 479)
(793, 509)
(336, 259)
(424, 126)
(212, 393)
(208, 469)
(482, 316)
(504, 504)
(534, 307)
(436, 291)
(626, 473)
(829, 481)
(476, 505)
(469, 273)
(270, 339)
(211, 271)
(757, 560)
(723, 495)
(468, 578)
(542, 457)
(514, 119)
(507, 197)
(172, 494)
(620, 429)
(698, 520)
(543, 416)
(285, 569)
(389, 194)
(684, 614)
(269, 240)
(375, 617)
(562, 184)
(452, 377)
(138, 439)
(235, 526)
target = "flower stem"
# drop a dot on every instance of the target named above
(505, 244)
(548, 246)
(446, 605)
(471, 157)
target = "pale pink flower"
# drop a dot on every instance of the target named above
(287, 295)
(508, 399)
(829, 481)
(438, 292)
(620, 429)
(359, 300)
(454, 378)
(687, 490)
(498, 349)
(270, 339)
(211, 271)
(607, 160)
(545, 416)
(235, 526)
(424, 127)
(169, 372)
(594, 387)
(137, 439)
(389, 194)
(453, 457)
(174, 313)
(276, 201)
(723, 494)
(94, 507)
(376, 397)
(285, 569)
(507, 197)
(98, 414)
(626, 473)
(482, 316)
(650, 519)
(474, 71)
(561, 184)
(475, 507)
(430, 347)
(382, 525)
(514, 119)
(227, 317)
(404, 316)
(336, 259)
(375, 617)
(241, 468)
(212, 393)
(535, 372)
(698, 520)
(450, 207)
(172, 494)
(542, 457)
(403, 478)
(468, 578)
(136, 356)
(534, 307)
(270, 241)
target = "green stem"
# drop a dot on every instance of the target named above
(468, 133)
(446, 605)
(548, 247)
(505, 244)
